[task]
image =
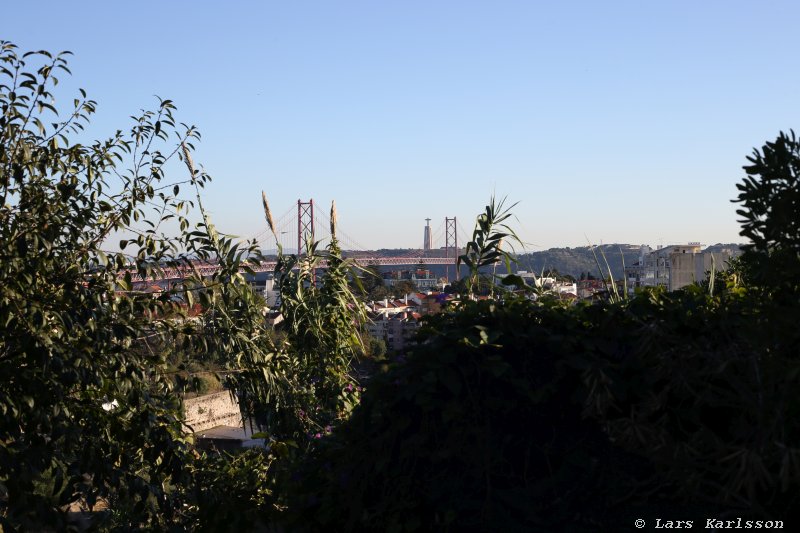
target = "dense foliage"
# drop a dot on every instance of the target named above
(770, 201)
(520, 415)
(89, 358)
(322, 322)
(84, 412)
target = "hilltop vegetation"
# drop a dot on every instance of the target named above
(576, 261)
(580, 260)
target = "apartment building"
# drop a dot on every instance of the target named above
(674, 266)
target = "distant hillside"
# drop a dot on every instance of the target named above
(572, 261)
(575, 261)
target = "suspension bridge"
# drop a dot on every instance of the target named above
(305, 223)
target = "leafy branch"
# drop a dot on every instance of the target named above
(486, 248)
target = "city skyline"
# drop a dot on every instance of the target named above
(618, 122)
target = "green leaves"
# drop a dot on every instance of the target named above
(78, 333)
(770, 212)
(322, 321)
(486, 247)
(521, 415)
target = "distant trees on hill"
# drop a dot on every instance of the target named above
(579, 261)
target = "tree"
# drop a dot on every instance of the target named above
(86, 407)
(377, 348)
(403, 287)
(770, 200)
(379, 292)
(371, 278)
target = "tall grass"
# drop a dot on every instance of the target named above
(486, 248)
(613, 290)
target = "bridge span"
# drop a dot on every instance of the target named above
(206, 269)
(311, 227)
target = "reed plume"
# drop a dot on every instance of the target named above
(187, 158)
(333, 219)
(268, 214)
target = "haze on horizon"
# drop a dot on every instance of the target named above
(622, 122)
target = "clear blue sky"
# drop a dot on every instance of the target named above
(616, 121)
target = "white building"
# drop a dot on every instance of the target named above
(548, 283)
(674, 266)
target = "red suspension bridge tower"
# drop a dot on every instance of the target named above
(305, 224)
(451, 243)
(306, 231)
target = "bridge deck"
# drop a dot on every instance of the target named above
(269, 266)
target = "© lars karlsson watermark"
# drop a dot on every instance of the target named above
(712, 524)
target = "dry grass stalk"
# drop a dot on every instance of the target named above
(333, 218)
(268, 214)
(187, 158)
